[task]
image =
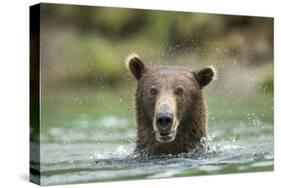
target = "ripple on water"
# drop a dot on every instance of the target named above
(75, 162)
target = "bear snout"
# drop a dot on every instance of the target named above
(164, 122)
(166, 138)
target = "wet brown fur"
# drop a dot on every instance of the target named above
(191, 110)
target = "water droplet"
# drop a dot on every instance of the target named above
(99, 156)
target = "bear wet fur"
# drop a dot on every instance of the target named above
(171, 113)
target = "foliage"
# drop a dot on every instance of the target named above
(87, 45)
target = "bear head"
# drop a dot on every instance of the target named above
(168, 97)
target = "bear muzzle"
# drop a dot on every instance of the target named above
(164, 122)
(166, 138)
(165, 125)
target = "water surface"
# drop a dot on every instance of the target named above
(89, 145)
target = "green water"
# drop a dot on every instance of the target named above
(88, 135)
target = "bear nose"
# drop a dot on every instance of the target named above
(164, 121)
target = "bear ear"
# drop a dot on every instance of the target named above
(205, 76)
(135, 65)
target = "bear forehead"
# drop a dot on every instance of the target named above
(170, 72)
(169, 76)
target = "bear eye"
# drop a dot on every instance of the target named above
(152, 92)
(179, 91)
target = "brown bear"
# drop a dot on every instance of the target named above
(171, 112)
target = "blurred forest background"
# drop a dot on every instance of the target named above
(83, 50)
(88, 45)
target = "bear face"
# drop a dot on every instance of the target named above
(169, 106)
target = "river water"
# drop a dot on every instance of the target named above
(80, 148)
